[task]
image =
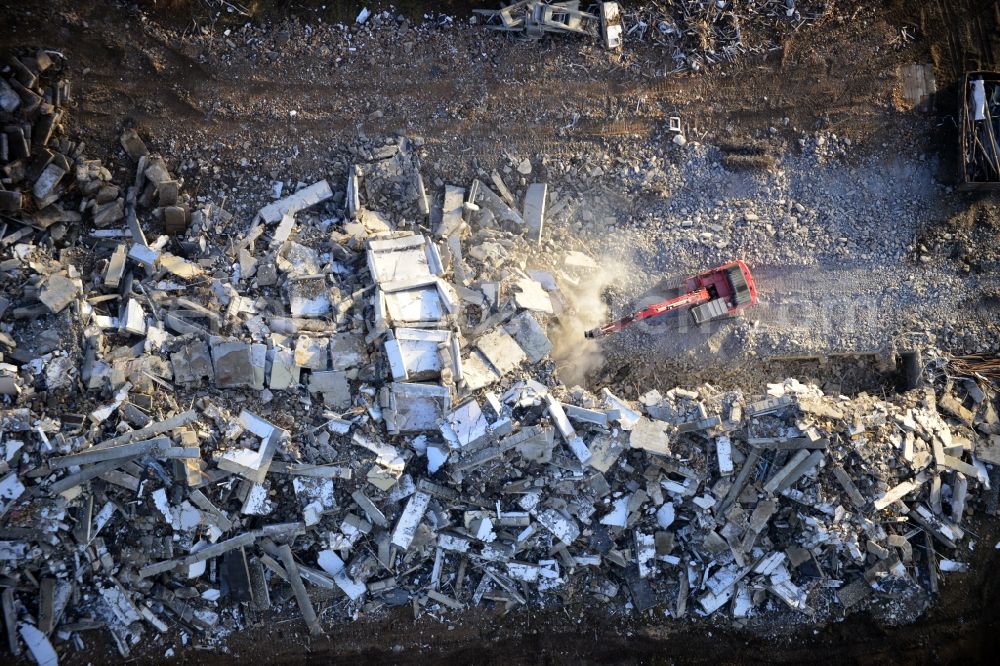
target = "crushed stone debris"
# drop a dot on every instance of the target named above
(328, 406)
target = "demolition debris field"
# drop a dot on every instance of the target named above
(292, 317)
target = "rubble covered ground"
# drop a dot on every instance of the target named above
(293, 364)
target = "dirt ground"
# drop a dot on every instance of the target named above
(197, 94)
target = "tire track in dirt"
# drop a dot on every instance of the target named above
(967, 30)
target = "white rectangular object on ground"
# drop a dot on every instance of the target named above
(414, 353)
(406, 526)
(307, 196)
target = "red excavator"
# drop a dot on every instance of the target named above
(719, 292)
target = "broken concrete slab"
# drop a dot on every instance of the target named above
(501, 350)
(347, 350)
(334, 386)
(253, 464)
(418, 354)
(132, 318)
(308, 196)
(415, 407)
(563, 528)
(312, 353)
(478, 372)
(116, 267)
(428, 301)
(451, 213)
(9, 99)
(406, 527)
(786, 471)
(605, 449)
(529, 295)
(59, 291)
(469, 424)
(232, 365)
(48, 181)
(107, 214)
(534, 444)
(11, 489)
(529, 335)
(144, 256)
(894, 494)
(534, 210)
(501, 208)
(192, 363)
(180, 267)
(133, 144)
(651, 436)
(309, 297)
(39, 647)
(403, 258)
(284, 370)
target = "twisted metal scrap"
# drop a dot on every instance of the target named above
(984, 367)
(705, 32)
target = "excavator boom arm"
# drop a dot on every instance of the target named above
(683, 301)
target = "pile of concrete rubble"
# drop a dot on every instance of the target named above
(353, 410)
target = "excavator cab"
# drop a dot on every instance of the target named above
(730, 287)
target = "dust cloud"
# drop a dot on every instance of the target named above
(575, 355)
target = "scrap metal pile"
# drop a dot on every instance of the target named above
(699, 33)
(535, 18)
(981, 110)
(339, 409)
